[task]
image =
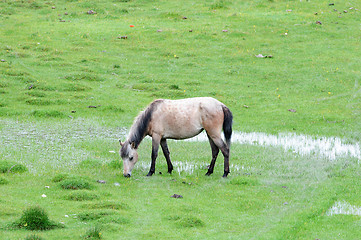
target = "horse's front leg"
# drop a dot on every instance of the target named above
(155, 146)
(165, 149)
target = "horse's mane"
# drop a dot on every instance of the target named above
(141, 124)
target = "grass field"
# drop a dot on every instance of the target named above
(74, 74)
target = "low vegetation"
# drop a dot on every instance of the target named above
(93, 233)
(11, 167)
(35, 218)
(74, 74)
(75, 183)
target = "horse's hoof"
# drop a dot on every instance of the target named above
(225, 175)
(149, 174)
(208, 174)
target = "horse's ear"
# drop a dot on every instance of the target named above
(133, 145)
(121, 143)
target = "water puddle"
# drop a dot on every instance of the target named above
(344, 208)
(327, 147)
(39, 144)
(187, 167)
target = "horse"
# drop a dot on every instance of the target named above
(179, 119)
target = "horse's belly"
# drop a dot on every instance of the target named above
(182, 134)
(182, 129)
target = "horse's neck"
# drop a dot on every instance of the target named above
(137, 133)
(135, 141)
(141, 124)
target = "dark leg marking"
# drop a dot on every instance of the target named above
(163, 144)
(225, 151)
(215, 151)
(155, 147)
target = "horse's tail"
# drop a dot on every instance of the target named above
(227, 125)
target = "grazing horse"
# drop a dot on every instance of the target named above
(179, 119)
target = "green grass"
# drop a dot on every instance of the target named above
(3, 181)
(11, 167)
(70, 86)
(34, 218)
(93, 233)
(33, 237)
(313, 70)
(82, 196)
(75, 183)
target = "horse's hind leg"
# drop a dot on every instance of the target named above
(163, 144)
(225, 151)
(215, 151)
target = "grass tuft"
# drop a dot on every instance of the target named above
(219, 4)
(47, 114)
(112, 108)
(34, 237)
(35, 218)
(3, 181)
(114, 219)
(93, 233)
(76, 183)
(174, 87)
(82, 196)
(190, 222)
(75, 87)
(38, 101)
(107, 205)
(187, 221)
(86, 77)
(60, 177)
(12, 167)
(94, 215)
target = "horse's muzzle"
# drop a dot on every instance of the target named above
(127, 175)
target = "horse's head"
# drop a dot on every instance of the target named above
(129, 154)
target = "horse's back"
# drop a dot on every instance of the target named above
(196, 108)
(198, 103)
(185, 118)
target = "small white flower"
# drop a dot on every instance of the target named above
(43, 195)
